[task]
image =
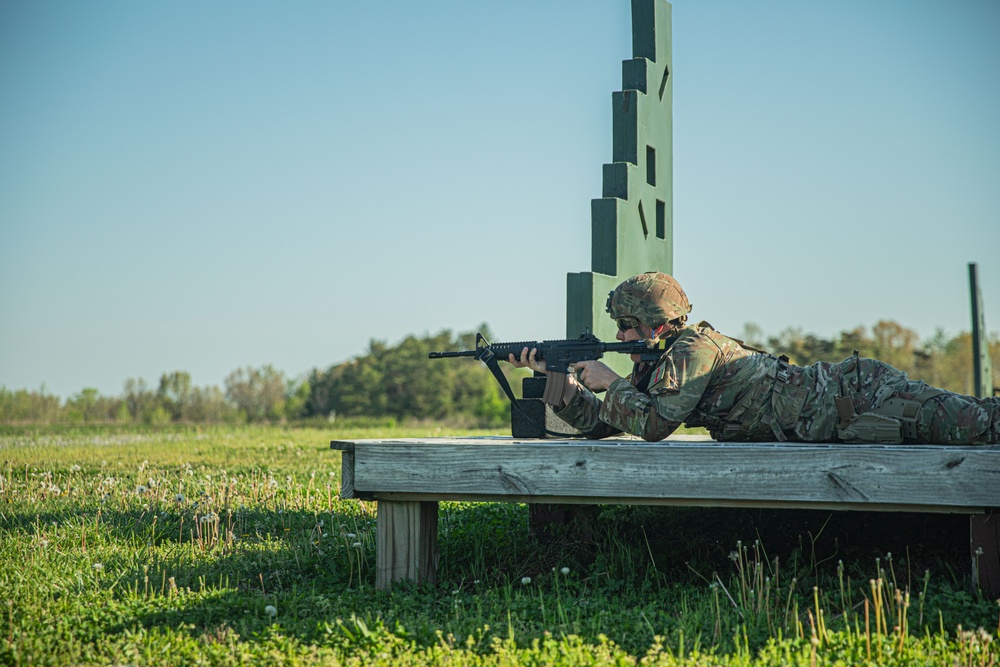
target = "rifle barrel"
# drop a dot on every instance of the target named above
(445, 355)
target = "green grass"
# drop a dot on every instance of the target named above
(231, 546)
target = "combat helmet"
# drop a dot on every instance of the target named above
(653, 298)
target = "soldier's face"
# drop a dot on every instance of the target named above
(638, 332)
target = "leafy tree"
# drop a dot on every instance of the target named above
(258, 392)
(90, 406)
(139, 400)
(175, 394)
(209, 405)
(29, 406)
(400, 382)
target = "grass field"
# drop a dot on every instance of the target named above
(230, 546)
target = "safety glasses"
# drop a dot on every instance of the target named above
(626, 323)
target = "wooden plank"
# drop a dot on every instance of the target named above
(347, 474)
(406, 543)
(985, 547)
(682, 502)
(342, 445)
(860, 476)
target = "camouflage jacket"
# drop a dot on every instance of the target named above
(704, 379)
(740, 393)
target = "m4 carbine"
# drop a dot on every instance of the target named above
(559, 355)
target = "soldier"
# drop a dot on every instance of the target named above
(739, 392)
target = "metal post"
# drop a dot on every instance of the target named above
(981, 363)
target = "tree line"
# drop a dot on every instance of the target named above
(399, 383)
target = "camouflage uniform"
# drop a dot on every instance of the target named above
(739, 393)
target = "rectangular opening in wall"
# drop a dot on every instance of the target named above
(661, 219)
(650, 165)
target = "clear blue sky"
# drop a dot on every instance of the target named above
(200, 186)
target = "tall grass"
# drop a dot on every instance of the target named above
(232, 546)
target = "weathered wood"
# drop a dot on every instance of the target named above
(409, 476)
(985, 548)
(848, 476)
(406, 543)
(347, 474)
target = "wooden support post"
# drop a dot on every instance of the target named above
(985, 546)
(406, 543)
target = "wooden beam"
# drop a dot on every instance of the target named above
(793, 475)
(985, 548)
(406, 543)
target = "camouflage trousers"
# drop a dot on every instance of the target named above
(806, 410)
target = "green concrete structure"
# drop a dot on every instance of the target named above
(632, 222)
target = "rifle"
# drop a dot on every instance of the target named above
(559, 355)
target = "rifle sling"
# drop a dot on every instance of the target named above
(490, 359)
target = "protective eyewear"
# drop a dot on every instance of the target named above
(626, 323)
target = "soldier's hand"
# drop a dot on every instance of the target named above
(528, 360)
(595, 375)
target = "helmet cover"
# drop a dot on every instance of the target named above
(653, 298)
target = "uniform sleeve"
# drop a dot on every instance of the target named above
(583, 413)
(628, 409)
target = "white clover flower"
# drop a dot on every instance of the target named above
(271, 610)
(525, 581)
(564, 571)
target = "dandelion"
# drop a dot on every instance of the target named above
(98, 566)
(356, 545)
(211, 517)
(272, 483)
(565, 571)
(75, 468)
(179, 498)
(351, 536)
(288, 479)
(271, 610)
(141, 489)
(525, 581)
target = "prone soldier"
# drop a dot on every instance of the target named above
(739, 392)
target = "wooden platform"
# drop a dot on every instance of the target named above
(409, 476)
